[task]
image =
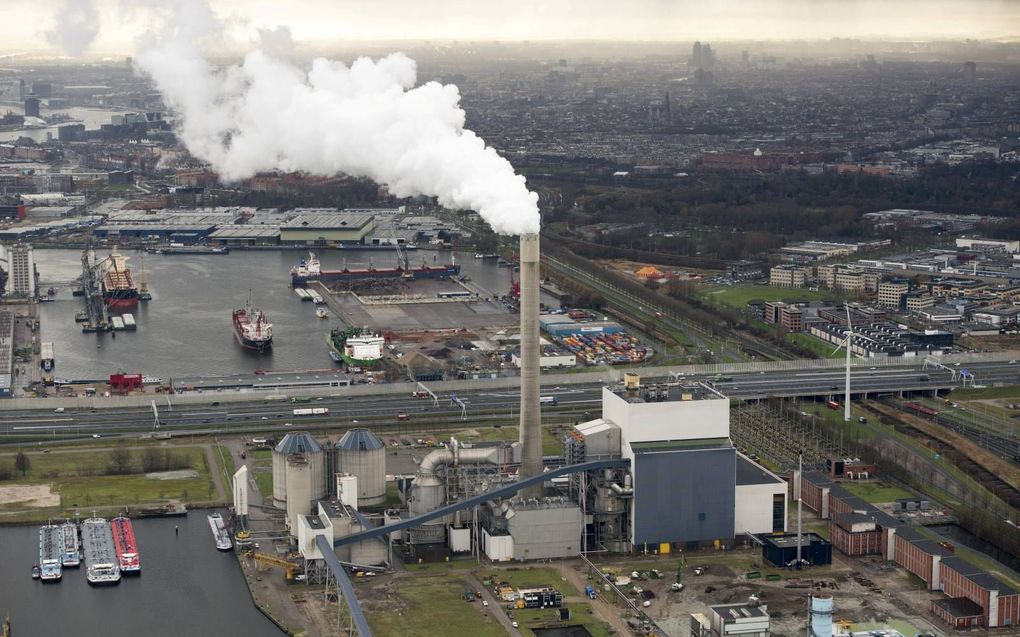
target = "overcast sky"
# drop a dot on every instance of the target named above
(324, 21)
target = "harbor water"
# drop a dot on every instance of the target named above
(186, 587)
(186, 328)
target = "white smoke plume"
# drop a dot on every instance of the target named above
(76, 26)
(365, 120)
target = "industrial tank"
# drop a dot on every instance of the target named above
(299, 489)
(302, 443)
(361, 454)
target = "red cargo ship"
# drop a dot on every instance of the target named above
(127, 548)
(119, 291)
(252, 329)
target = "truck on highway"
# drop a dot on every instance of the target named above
(548, 400)
(312, 411)
(722, 378)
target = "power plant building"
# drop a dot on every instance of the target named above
(687, 483)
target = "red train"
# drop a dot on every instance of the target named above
(832, 404)
(921, 409)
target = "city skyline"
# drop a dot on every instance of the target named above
(109, 27)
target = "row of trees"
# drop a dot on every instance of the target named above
(122, 461)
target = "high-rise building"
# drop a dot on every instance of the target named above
(20, 268)
(969, 72)
(696, 55)
(31, 107)
(21, 90)
(42, 90)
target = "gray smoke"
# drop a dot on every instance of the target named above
(76, 26)
(364, 120)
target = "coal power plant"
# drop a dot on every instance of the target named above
(657, 472)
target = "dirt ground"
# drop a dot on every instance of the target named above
(36, 495)
(623, 266)
(866, 592)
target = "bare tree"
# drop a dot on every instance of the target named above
(22, 463)
(120, 460)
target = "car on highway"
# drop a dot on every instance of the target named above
(59, 410)
(96, 436)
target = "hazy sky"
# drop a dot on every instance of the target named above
(324, 21)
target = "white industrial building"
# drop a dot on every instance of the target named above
(18, 262)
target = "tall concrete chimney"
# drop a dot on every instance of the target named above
(531, 418)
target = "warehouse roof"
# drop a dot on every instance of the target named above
(245, 232)
(750, 472)
(339, 221)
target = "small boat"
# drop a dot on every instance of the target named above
(36, 571)
(322, 312)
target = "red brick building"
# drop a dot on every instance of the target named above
(1000, 603)
(855, 534)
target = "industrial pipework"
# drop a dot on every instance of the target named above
(531, 418)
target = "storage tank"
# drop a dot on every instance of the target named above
(298, 480)
(302, 443)
(347, 489)
(821, 615)
(361, 454)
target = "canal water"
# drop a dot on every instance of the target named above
(186, 587)
(186, 328)
(92, 118)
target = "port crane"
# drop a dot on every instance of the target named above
(289, 568)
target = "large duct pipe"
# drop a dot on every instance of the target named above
(531, 419)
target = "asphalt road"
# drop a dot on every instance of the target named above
(348, 410)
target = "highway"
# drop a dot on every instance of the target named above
(347, 409)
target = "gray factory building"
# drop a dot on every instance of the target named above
(687, 484)
(694, 508)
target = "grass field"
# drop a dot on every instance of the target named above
(738, 296)
(989, 392)
(78, 478)
(819, 347)
(875, 492)
(433, 604)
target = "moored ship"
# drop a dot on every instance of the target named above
(355, 346)
(127, 548)
(219, 531)
(119, 291)
(101, 563)
(72, 552)
(252, 329)
(50, 549)
(311, 270)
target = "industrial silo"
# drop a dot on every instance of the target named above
(361, 454)
(299, 489)
(300, 443)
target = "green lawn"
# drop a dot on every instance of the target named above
(738, 296)
(224, 463)
(816, 345)
(432, 604)
(1012, 391)
(875, 492)
(78, 478)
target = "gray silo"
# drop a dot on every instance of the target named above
(362, 454)
(298, 443)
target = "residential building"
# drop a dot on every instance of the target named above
(890, 293)
(788, 276)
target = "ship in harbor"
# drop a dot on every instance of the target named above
(51, 544)
(169, 510)
(119, 291)
(127, 547)
(311, 270)
(180, 248)
(219, 531)
(252, 329)
(72, 552)
(355, 346)
(101, 563)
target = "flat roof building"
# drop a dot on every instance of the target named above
(324, 229)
